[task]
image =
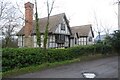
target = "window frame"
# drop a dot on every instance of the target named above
(90, 39)
(60, 38)
(62, 26)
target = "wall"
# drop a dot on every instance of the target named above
(35, 41)
(51, 41)
(81, 40)
(66, 31)
(20, 41)
(72, 41)
(29, 41)
(90, 35)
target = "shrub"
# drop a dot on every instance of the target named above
(115, 41)
(102, 48)
(23, 57)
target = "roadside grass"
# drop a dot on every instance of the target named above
(36, 68)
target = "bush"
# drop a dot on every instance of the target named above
(103, 48)
(23, 57)
(115, 41)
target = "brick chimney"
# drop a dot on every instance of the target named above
(28, 24)
(28, 18)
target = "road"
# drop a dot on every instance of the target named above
(103, 68)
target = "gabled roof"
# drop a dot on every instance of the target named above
(82, 30)
(53, 24)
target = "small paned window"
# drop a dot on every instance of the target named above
(75, 41)
(90, 39)
(62, 26)
(62, 37)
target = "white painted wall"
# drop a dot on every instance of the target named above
(53, 44)
(66, 41)
(52, 41)
(20, 41)
(72, 41)
(90, 35)
(81, 40)
(66, 31)
(52, 38)
(35, 41)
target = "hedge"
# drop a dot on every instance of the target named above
(23, 57)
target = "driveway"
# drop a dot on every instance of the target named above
(103, 68)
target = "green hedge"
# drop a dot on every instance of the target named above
(23, 57)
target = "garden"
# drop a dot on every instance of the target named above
(18, 58)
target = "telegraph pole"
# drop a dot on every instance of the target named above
(118, 15)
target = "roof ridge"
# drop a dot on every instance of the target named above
(83, 25)
(53, 15)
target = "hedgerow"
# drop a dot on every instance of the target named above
(23, 57)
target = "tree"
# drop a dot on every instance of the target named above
(98, 30)
(100, 27)
(38, 36)
(114, 40)
(12, 44)
(4, 6)
(49, 10)
(9, 21)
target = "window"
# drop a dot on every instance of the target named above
(60, 38)
(20, 41)
(62, 26)
(90, 39)
(75, 41)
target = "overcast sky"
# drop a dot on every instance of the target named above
(82, 12)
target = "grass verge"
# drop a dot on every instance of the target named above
(35, 68)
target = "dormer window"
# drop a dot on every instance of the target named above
(62, 26)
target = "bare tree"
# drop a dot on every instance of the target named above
(105, 28)
(101, 27)
(22, 14)
(97, 25)
(3, 12)
(9, 20)
(49, 10)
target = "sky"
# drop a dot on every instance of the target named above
(82, 12)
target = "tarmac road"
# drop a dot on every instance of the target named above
(103, 68)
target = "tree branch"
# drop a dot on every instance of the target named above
(52, 7)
